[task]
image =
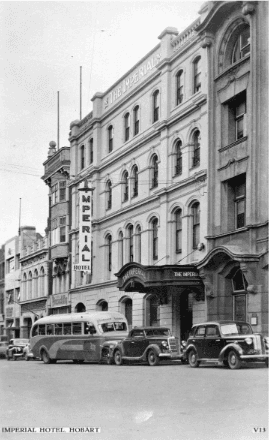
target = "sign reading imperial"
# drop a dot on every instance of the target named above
(128, 82)
(85, 228)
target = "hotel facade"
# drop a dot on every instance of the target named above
(179, 220)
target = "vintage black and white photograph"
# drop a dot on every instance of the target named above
(134, 220)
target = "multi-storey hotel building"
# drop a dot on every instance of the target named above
(171, 150)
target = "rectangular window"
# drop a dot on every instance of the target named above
(10, 265)
(54, 232)
(50, 329)
(54, 194)
(240, 204)
(197, 75)
(237, 112)
(62, 185)
(234, 206)
(41, 329)
(62, 229)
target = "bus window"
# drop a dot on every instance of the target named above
(41, 329)
(35, 330)
(50, 329)
(58, 329)
(89, 328)
(67, 329)
(76, 328)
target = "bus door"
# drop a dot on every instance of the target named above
(91, 346)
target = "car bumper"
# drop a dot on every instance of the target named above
(255, 356)
(171, 356)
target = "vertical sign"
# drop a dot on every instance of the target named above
(85, 229)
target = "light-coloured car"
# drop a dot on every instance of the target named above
(15, 348)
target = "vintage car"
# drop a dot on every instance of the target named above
(150, 344)
(15, 348)
(226, 342)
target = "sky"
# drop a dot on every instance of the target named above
(43, 45)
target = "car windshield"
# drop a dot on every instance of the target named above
(113, 327)
(20, 341)
(158, 332)
(236, 329)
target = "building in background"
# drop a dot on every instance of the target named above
(56, 175)
(13, 251)
(172, 149)
(2, 290)
(34, 283)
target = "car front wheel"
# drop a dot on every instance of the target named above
(118, 357)
(153, 358)
(193, 359)
(234, 360)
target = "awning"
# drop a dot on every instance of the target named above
(134, 277)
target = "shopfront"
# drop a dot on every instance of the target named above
(173, 295)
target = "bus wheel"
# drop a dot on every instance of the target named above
(45, 357)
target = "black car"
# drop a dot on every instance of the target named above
(15, 348)
(150, 344)
(226, 342)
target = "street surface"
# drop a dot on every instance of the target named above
(134, 402)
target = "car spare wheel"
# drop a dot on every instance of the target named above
(153, 358)
(118, 357)
(234, 360)
(193, 359)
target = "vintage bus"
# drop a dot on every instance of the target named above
(77, 336)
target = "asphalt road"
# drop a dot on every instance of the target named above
(134, 402)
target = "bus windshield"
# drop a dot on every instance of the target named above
(112, 327)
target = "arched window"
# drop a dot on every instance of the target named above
(196, 149)
(30, 285)
(109, 252)
(42, 282)
(125, 193)
(108, 195)
(178, 167)
(179, 87)
(138, 244)
(195, 208)
(80, 308)
(110, 138)
(239, 286)
(91, 150)
(178, 237)
(127, 120)
(156, 106)
(134, 181)
(136, 120)
(127, 310)
(120, 249)
(242, 45)
(154, 171)
(102, 306)
(82, 157)
(154, 224)
(24, 287)
(35, 284)
(130, 230)
(197, 75)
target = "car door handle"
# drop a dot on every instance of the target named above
(217, 340)
(132, 342)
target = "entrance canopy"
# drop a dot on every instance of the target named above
(134, 277)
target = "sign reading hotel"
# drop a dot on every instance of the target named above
(128, 82)
(85, 229)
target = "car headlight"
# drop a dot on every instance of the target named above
(164, 344)
(248, 341)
